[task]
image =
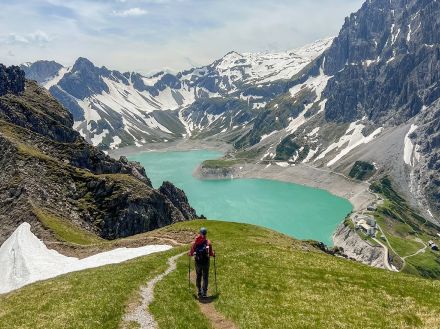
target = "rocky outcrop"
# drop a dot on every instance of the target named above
(381, 73)
(49, 171)
(356, 248)
(11, 80)
(208, 173)
(84, 80)
(178, 199)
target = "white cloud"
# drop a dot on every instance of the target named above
(38, 38)
(130, 12)
(177, 34)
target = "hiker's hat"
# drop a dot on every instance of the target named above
(203, 231)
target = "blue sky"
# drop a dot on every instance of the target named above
(148, 35)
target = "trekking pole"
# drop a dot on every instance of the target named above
(215, 276)
(189, 274)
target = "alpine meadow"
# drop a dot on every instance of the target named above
(182, 164)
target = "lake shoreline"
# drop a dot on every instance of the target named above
(356, 193)
(180, 145)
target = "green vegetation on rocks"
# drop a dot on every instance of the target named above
(407, 232)
(289, 148)
(361, 170)
(65, 230)
(219, 164)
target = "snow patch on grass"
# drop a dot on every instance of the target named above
(25, 259)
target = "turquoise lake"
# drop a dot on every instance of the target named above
(296, 210)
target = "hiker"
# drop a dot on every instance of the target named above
(202, 249)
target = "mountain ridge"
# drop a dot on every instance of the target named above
(344, 99)
(158, 107)
(53, 179)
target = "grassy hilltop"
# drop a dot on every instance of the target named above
(266, 280)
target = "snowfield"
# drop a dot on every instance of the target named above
(25, 259)
(410, 154)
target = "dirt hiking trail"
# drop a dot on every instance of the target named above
(206, 306)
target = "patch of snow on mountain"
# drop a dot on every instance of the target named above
(153, 123)
(268, 135)
(185, 124)
(90, 114)
(353, 138)
(301, 119)
(212, 118)
(55, 79)
(313, 132)
(167, 100)
(97, 138)
(310, 155)
(409, 149)
(25, 259)
(408, 36)
(316, 84)
(115, 143)
(151, 80)
(297, 122)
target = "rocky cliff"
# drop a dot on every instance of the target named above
(356, 248)
(50, 174)
(390, 52)
(373, 95)
(11, 80)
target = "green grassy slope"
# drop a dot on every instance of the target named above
(91, 299)
(404, 228)
(266, 280)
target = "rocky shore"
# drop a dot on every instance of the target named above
(356, 248)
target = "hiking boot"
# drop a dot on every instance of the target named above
(205, 294)
(200, 294)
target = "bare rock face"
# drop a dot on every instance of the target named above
(11, 80)
(356, 248)
(385, 62)
(207, 173)
(48, 170)
(427, 173)
(178, 199)
(41, 71)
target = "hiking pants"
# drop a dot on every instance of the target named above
(202, 270)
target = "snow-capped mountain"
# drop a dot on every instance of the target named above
(113, 109)
(373, 95)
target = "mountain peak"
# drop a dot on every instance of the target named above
(83, 63)
(232, 55)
